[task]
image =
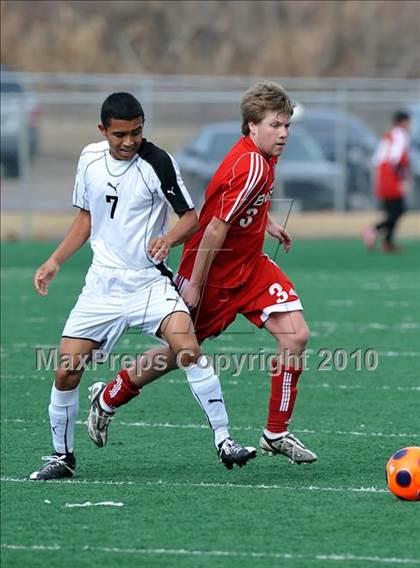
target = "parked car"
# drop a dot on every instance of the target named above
(327, 126)
(17, 103)
(303, 173)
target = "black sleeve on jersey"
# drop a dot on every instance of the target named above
(165, 172)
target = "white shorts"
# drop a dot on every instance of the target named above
(114, 300)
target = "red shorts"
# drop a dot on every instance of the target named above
(268, 290)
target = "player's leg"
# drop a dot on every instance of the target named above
(395, 210)
(64, 408)
(177, 330)
(95, 321)
(105, 398)
(370, 234)
(384, 226)
(270, 301)
(174, 325)
(291, 333)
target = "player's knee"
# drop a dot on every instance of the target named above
(188, 355)
(67, 378)
(295, 342)
(301, 339)
(303, 335)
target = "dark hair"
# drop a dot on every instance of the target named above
(120, 105)
(400, 116)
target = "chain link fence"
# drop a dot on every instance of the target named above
(47, 118)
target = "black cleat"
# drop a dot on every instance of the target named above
(230, 453)
(57, 467)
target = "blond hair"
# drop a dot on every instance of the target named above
(263, 97)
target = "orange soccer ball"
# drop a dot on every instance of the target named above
(403, 473)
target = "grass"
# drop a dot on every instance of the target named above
(180, 506)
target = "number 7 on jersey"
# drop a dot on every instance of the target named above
(114, 200)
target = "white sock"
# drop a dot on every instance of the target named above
(104, 405)
(63, 411)
(205, 386)
(273, 435)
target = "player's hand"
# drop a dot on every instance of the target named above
(191, 295)
(44, 275)
(280, 233)
(158, 249)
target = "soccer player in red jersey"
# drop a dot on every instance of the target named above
(392, 163)
(223, 271)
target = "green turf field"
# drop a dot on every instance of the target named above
(180, 507)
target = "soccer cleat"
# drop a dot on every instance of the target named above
(98, 419)
(390, 247)
(369, 238)
(231, 453)
(58, 466)
(289, 446)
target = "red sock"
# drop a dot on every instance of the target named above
(120, 390)
(282, 398)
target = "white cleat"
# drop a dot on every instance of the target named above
(98, 419)
(287, 445)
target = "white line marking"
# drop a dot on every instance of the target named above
(245, 350)
(254, 554)
(207, 485)
(31, 547)
(242, 381)
(343, 557)
(101, 503)
(316, 385)
(237, 428)
(392, 388)
(399, 353)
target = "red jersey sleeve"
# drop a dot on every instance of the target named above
(244, 180)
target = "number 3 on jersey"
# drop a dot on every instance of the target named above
(114, 200)
(245, 221)
(277, 290)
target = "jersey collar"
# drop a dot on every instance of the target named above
(250, 144)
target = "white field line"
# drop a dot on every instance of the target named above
(399, 353)
(315, 385)
(208, 485)
(32, 547)
(240, 381)
(245, 350)
(90, 504)
(367, 385)
(237, 428)
(340, 557)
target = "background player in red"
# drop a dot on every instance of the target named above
(223, 271)
(391, 161)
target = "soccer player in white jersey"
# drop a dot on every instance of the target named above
(124, 187)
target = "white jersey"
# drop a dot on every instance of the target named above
(128, 201)
(392, 147)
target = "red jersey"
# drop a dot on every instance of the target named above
(240, 194)
(392, 164)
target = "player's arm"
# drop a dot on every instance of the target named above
(243, 182)
(77, 235)
(183, 229)
(279, 232)
(213, 238)
(171, 188)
